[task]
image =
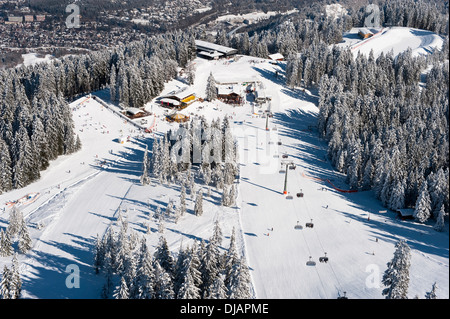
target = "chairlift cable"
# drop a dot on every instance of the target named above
(320, 243)
(309, 250)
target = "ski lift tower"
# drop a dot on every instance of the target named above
(287, 163)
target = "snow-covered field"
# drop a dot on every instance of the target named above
(34, 58)
(80, 195)
(397, 39)
(253, 16)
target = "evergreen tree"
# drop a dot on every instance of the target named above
(25, 243)
(198, 207)
(432, 293)
(440, 223)
(144, 273)
(191, 277)
(145, 179)
(240, 281)
(5, 244)
(423, 205)
(164, 257)
(217, 290)
(163, 286)
(122, 292)
(6, 284)
(211, 90)
(396, 276)
(16, 281)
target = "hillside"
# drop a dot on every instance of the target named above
(397, 39)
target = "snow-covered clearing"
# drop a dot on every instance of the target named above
(253, 16)
(80, 196)
(397, 39)
(34, 58)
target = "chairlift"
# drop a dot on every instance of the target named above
(292, 166)
(310, 262)
(300, 194)
(284, 156)
(323, 259)
(344, 296)
(279, 143)
(289, 196)
(298, 226)
(310, 225)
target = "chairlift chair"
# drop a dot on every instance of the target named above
(323, 259)
(298, 226)
(310, 262)
(300, 194)
(310, 225)
(344, 296)
(284, 156)
(292, 166)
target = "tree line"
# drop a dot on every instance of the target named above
(199, 271)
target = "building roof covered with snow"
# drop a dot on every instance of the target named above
(204, 46)
(365, 33)
(276, 57)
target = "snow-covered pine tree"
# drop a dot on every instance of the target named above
(432, 294)
(218, 290)
(170, 210)
(78, 144)
(422, 210)
(190, 73)
(163, 256)
(15, 221)
(113, 84)
(6, 283)
(5, 167)
(191, 277)
(25, 242)
(122, 291)
(99, 254)
(211, 90)
(5, 244)
(182, 200)
(163, 285)
(11, 283)
(145, 179)
(230, 258)
(440, 222)
(212, 260)
(16, 281)
(198, 206)
(144, 273)
(396, 276)
(226, 201)
(239, 286)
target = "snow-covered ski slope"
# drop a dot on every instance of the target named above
(397, 39)
(80, 195)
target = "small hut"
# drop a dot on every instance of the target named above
(405, 213)
(365, 33)
(177, 117)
